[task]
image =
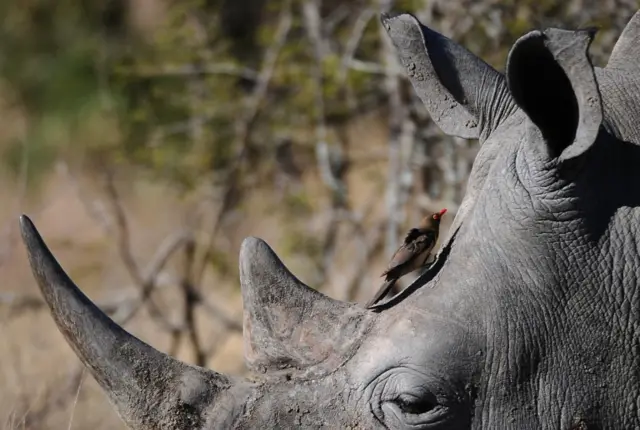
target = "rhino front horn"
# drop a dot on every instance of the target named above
(149, 389)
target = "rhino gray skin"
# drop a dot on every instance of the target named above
(529, 318)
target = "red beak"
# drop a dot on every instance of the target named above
(442, 212)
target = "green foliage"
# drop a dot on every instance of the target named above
(221, 263)
(30, 158)
(298, 204)
(300, 244)
(167, 99)
(90, 83)
(64, 59)
(49, 57)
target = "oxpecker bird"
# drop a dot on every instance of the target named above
(412, 254)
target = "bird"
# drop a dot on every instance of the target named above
(412, 254)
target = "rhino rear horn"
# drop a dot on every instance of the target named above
(149, 389)
(287, 325)
(551, 78)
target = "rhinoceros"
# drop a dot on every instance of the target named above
(528, 319)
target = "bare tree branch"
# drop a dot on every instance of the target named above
(19, 303)
(369, 67)
(353, 43)
(372, 246)
(396, 118)
(217, 313)
(193, 70)
(313, 27)
(146, 283)
(118, 303)
(336, 16)
(56, 396)
(190, 301)
(331, 168)
(123, 235)
(243, 127)
(94, 208)
(9, 235)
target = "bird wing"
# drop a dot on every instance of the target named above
(382, 291)
(416, 243)
(412, 235)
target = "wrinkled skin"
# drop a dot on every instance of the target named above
(527, 320)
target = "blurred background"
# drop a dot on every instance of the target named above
(147, 138)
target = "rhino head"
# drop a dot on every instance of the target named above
(528, 319)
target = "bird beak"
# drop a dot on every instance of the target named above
(442, 212)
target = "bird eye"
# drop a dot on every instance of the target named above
(435, 217)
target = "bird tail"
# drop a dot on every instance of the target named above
(382, 291)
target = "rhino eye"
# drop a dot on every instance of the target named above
(415, 411)
(409, 398)
(410, 404)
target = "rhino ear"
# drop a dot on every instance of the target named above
(288, 325)
(626, 52)
(553, 81)
(465, 96)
